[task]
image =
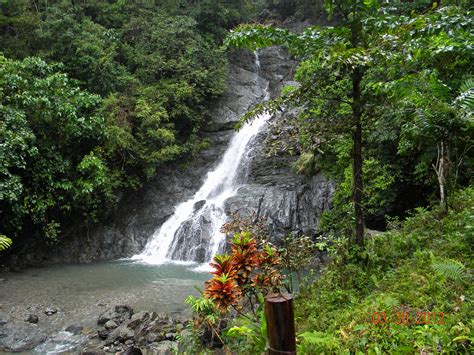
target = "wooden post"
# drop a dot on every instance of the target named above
(280, 324)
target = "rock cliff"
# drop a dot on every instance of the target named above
(290, 202)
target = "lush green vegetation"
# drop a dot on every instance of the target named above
(423, 265)
(387, 100)
(381, 107)
(413, 294)
(49, 131)
(95, 97)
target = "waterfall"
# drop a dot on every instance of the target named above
(192, 233)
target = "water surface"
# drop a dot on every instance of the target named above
(81, 292)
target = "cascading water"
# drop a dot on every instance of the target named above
(192, 233)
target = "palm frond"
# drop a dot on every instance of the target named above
(5, 242)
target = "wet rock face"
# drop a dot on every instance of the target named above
(245, 88)
(293, 206)
(291, 202)
(17, 335)
(192, 241)
(277, 67)
(139, 214)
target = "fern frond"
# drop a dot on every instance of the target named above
(449, 269)
(305, 164)
(317, 341)
(466, 95)
(439, 89)
(200, 305)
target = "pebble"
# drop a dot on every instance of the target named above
(74, 329)
(170, 336)
(103, 334)
(152, 337)
(111, 324)
(32, 318)
(50, 311)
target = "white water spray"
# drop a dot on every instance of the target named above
(192, 233)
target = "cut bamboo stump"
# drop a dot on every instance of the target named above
(280, 324)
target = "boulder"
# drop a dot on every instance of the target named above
(19, 336)
(103, 334)
(140, 318)
(166, 347)
(119, 314)
(153, 338)
(132, 351)
(120, 334)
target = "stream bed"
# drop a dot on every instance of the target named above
(78, 294)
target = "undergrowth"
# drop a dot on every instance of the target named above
(413, 294)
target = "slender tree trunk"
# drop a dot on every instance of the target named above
(441, 168)
(358, 186)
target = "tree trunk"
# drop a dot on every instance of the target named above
(441, 168)
(358, 186)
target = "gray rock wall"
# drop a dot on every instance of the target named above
(289, 202)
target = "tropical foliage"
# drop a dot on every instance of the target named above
(240, 281)
(421, 270)
(413, 295)
(375, 92)
(385, 100)
(95, 97)
(50, 129)
(5, 242)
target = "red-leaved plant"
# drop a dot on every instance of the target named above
(223, 291)
(252, 269)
